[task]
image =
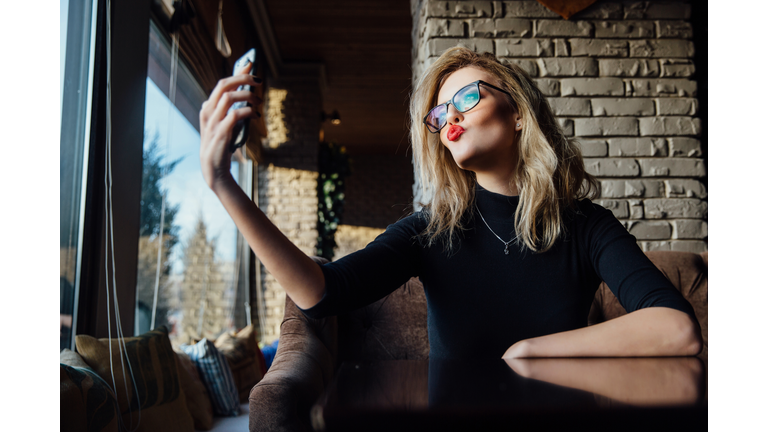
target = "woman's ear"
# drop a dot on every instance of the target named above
(517, 122)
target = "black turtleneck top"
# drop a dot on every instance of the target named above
(480, 301)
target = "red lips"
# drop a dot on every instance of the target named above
(454, 132)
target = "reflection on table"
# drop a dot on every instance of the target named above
(626, 393)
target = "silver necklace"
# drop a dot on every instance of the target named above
(506, 243)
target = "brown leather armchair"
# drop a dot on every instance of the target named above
(395, 327)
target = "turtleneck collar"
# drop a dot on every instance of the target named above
(496, 206)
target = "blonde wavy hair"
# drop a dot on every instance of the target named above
(550, 174)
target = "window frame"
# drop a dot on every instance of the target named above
(130, 38)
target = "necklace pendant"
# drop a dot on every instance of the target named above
(506, 250)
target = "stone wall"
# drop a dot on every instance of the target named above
(287, 179)
(621, 79)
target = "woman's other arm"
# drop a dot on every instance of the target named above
(649, 332)
(301, 277)
(660, 321)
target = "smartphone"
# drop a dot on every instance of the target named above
(240, 132)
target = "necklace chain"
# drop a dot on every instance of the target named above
(506, 243)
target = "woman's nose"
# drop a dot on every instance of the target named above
(454, 116)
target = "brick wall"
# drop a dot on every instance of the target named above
(378, 193)
(620, 77)
(287, 179)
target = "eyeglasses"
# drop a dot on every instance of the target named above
(464, 100)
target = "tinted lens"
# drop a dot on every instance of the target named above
(436, 118)
(466, 98)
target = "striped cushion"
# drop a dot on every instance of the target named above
(152, 400)
(217, 377)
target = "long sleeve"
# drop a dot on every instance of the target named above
(371, 273)
(627, 271)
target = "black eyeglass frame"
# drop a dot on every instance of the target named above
(475, 83)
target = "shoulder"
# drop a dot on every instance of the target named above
(586, 210)
(409, 227)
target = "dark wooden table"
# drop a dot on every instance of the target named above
(644, 394)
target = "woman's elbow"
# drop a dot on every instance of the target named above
(690, 341)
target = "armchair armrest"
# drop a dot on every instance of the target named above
(303, 367)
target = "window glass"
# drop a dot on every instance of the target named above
(76, 66)
(202, 268)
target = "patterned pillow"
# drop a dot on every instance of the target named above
(217, 377)
(244, 357)
(86, 401)
(156, 402)
(198, 402)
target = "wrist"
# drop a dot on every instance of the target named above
(221, 182)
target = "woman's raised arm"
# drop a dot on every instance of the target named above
(301, 277)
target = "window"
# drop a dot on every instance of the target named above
(202, 281)
(77, 42)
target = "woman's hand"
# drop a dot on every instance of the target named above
(216, 124)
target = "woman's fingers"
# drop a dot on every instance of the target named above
(224, 86)
(229, 98)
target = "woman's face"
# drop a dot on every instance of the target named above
(487, 141)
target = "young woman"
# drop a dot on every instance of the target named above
(510, 249)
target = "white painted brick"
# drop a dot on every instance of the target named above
(685, 188)
(652, 10)
(674, 29)
(619, 208)
(592, 87)
(667, 48)
(689, 229)
(508, 27)
(677, 68)
(624, 29)
(650, 230)
(548, 86)
(528, 9)
(695, 246)
(568, 67)
(569, 106)
(562, 49)
(524, 47)
(601, 11)
(618, 126)
(593, 148)
(529, 66)
(629, 67)
(651, 246)
(459, 9)
(675, 208)
(663, 87)
(498, 9)
(636, 210)
(437, 27)
(623, 107)
(560, 27)
(599, 48)
(672, 167)
(677, 106)
(438, 46)
(566, 125)
(632, 189)
(624, 147)
(612, 167)
(672, 125)
(685, 147)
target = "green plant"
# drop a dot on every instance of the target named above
(333, 168)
